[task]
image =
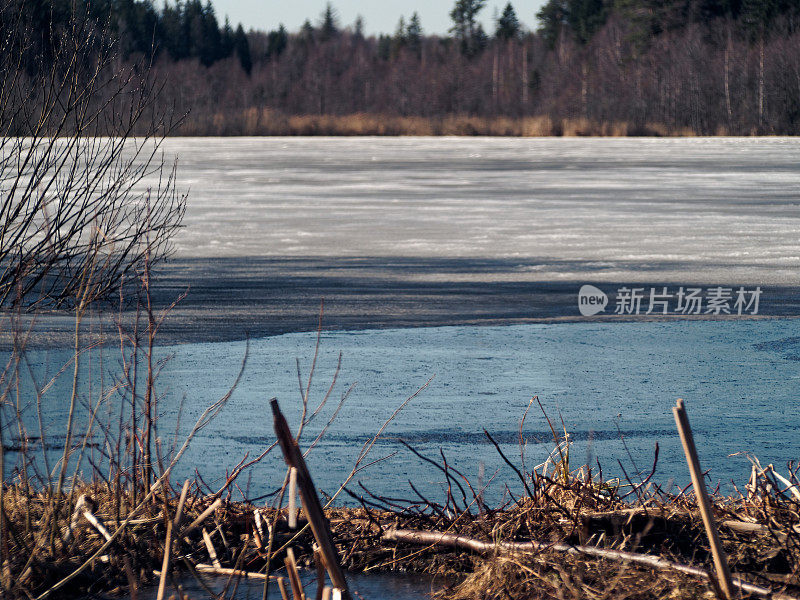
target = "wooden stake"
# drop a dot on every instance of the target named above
(720, 560)
(311, 504)
(282, 588)
(320, 573)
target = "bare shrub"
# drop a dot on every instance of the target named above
(75, 213)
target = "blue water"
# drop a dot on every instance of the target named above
(612, 384)
(374, 586)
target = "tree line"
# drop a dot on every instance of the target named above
(185, 30)
(590, 67)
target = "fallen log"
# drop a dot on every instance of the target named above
(434, 538)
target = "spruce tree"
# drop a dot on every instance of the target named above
(399, 40)
(464, 27)
(358, 27)
(585, 17)
(276, 41)
(414, 34)
(507, 25)
(307, 32)
(243, 49)
(552, 19)
(329, 27)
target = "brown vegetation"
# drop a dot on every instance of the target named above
(268, 122)
(570, 539)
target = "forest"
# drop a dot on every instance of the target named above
(590, 67)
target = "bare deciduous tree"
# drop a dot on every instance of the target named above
(80, 138)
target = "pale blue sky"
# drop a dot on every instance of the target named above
(380, 16)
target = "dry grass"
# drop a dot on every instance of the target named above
(559, 507)
(267, 122)
(570, 510)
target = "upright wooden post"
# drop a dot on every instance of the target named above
(720, 560)
(311, 504)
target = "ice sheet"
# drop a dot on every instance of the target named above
(721, 209)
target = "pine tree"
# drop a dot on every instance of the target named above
(399, 39)
(227, 39)
(582, 17)
(507, 25)
(277, 41)
(585, 17)
(329, 27)
(307, 32)
(384, 46)
(414, 34)
(464, 28)
(171, 32)
(358, 28)
(210, 41)
(552, 19)
(242, 47)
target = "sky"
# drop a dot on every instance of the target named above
(380, 16)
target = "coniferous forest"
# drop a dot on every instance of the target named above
(590, 67)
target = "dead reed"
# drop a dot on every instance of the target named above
(267, 122)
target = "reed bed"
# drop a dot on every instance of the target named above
(268, 122)
(570, 534)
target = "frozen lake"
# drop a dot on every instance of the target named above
(613, 384)
(410, 234)
(710, 209)
(401, 232)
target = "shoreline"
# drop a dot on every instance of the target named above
(255, 121)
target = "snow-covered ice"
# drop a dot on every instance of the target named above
(699, 209)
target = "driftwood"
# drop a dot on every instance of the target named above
(96, 523)
(282, 588)
(432, 538)
(212, 552)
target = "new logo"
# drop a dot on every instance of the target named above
(591, 300)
